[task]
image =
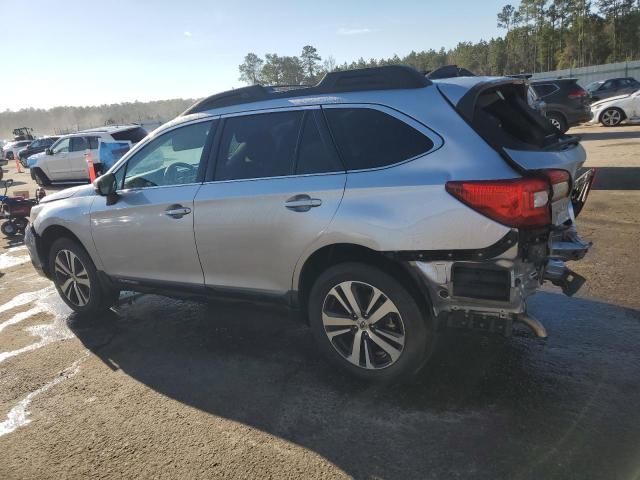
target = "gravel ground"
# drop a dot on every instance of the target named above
(173, 389)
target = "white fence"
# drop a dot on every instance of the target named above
(586, 75)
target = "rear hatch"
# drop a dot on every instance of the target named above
(497, 109)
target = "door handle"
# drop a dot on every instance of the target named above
(177, 211)
(302, 203)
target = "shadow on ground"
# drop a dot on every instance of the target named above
(484, 407)
(617, 178)
(604, 134)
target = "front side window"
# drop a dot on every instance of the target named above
(258, 146)
(171, 159)
(61, 147)
(368, 138)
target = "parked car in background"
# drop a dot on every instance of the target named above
(37, 146)
(65, 159)
(612, 87)
(567, 103)
(536, 102)
(379, 203)
(615, 110)
(11, 149)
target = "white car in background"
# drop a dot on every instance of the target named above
(614, 110)
(64, 161)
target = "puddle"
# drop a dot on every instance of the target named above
(18, 416)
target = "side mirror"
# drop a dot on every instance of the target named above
(48, 151)
(106, 187)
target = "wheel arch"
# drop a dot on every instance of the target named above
(334, 254)
(49, 235)
(613, 107)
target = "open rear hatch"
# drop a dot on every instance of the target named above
(497, 109)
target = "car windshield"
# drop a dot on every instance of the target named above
(594, 86)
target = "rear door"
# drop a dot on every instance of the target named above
(77, 162)
(276, 186)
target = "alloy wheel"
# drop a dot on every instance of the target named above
(611, 117)
(363, 325)
(556, 123)
(72, 277)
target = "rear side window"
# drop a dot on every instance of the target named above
(93, 143)
(133, 135)
(368, 138)
(258, 146)
(545, 89)
(78, 144)
(315, 153)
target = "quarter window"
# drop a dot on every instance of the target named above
(171, 159)
(258, 146)
(368, 138)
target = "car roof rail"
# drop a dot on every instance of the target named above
(390, 77)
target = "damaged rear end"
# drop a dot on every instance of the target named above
(487, 289)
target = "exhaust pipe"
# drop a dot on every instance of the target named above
(536, 327)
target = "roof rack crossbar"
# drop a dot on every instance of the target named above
(391, 77)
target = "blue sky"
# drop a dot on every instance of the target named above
(86, 52)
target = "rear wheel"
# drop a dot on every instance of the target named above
(76, 278)
(558, 121)
(611, 117)
(368, 323)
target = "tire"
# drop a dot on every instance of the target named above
(611, 117)
(9, 229)
(391, 346)
(40, 178)
(558, 121)
(69, 262)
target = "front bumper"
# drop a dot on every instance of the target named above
(32, 241)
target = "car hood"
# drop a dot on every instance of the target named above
(32, 159)
(79, 191)
(610, 99)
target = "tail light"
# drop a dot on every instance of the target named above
(578, 93)
(520, 203)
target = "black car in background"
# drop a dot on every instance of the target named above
(567, 103)
(37, 146)
(612, 87)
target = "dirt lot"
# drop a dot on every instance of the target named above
(171, 389)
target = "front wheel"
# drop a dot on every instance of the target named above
(40, 178)
(76, 278)
(367, 322)
(611, 117)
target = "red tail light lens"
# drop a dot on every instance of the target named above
(578, 93)
(521, 203)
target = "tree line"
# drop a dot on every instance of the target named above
(540, 35)
(59, 120)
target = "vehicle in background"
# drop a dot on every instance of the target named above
(382, 205)
(11, 149)
(567, 103)
(536, 102)
(612, 88)
(615, 110)
(37, 146)
(65, 159)
(23, 133)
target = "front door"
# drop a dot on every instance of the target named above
(147, 234)
(56, 165)
(277, 185)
